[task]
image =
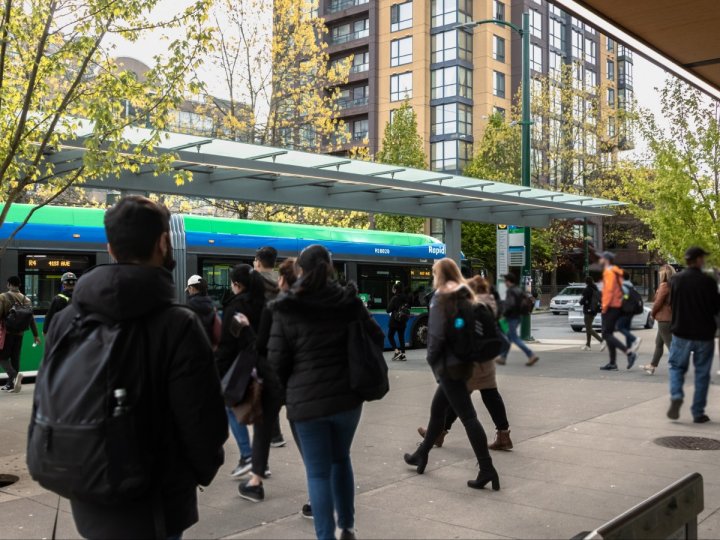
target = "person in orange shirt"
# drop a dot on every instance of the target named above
(612, 297)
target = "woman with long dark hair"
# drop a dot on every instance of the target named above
(452, 375)
(248, 300)
(308, 348)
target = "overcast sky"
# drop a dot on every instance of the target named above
(647, 76)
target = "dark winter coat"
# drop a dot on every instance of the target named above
(203, 307)
(511, 307)
(586, 299)
(695, 303)
(191, 420)
(308, 349)
(58, 303)
(396, 302)
(440, 357)
(233, 339)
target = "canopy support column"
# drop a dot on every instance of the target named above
(452, 239)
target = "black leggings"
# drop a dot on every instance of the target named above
(609, 323)
(400, 331)
(452, 393)
(493, 403)
(264, 431)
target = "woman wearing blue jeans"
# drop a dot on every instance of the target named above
(308, 349)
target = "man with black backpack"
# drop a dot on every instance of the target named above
(128, 418)
(591, 302)
(17, 316)
(399, 313)
(517, 304)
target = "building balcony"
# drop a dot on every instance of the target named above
(347, 38)
(359, 136)
(361, 68)
(344, 104)
(335, 6)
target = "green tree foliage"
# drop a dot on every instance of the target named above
(401, 145)
(679, 197)
(60, 86)
(498, 155)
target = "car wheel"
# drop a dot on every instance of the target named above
(650, 322)
(577, 328)
(419, 333)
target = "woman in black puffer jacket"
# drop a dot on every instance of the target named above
(308, 349)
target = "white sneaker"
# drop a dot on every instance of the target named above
(636, 345)
(18, 383)
(585, 348)
(603, 346)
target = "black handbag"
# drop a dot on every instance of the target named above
(236, 381)
(367, 367)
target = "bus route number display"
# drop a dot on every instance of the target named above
(55, 263)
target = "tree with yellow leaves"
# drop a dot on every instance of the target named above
(61, 87)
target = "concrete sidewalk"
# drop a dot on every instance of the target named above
(584, 452)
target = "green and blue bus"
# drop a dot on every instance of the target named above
(68, 239)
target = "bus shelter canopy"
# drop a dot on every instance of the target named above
(230, 170)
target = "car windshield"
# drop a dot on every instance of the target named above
(571, 291)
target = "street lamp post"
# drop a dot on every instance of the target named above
(524, 33)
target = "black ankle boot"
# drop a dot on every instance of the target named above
(418, 459)
(486, 475)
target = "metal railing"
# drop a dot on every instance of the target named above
(352, 36)
(359, 136)
(360, 68)
(349, 103)
(339, 5)
(670, 513)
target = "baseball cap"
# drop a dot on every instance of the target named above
(607, 255)
(694, 252)
(194, 280)
(68, 276)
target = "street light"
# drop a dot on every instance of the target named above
(524, 33)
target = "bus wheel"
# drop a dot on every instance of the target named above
(420, 333)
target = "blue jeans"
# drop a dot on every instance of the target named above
(513, 337)
(326, 446)
(240, 432)
(623, 326)
(703, 353)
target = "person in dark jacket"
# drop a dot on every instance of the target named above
(695, 302)
(248, 299)
(452, 375)
(199, 301)
(511, 310)
(12, 348)
(591, 302)
(399, 310)
(308, 349)
(61, 300)
(188, 420)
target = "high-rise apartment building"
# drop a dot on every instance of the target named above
(456, 78)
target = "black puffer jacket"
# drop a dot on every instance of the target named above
(233, 339)
(439, 352)
(189, 421)
(308, 350)
(203, 307)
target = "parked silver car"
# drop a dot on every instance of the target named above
(568, 297)
(577, 319)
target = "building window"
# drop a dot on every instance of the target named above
(610, 45)
(498, 10)
(498, 84)
(590, 51)
(535, 23)
(556, 62)
(445, 12)
(578, 76)
(498, 49)
(556, 11)
(356, 96)
(577, 45)
(625, 73)
(610, 69)
(611, 127)
(400, 16)
(536, 62)
(401, 51)
(401, 86)
(451, 45)
(499, 110)
(557, 34)
(451, 119)
(350, 31)
(450, 155)
(450, 82)
(611, 97)
(360, 130)
(590, 79)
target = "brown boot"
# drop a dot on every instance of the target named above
(502, 440)
(439, 441)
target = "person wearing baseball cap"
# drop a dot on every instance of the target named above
(695, 302)
(62, 299)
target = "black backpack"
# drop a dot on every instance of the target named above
(19, 318)
(402, 314)
(632, 302)
(473, 333)
(527, 303)
(91, 434)
(368, 371)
